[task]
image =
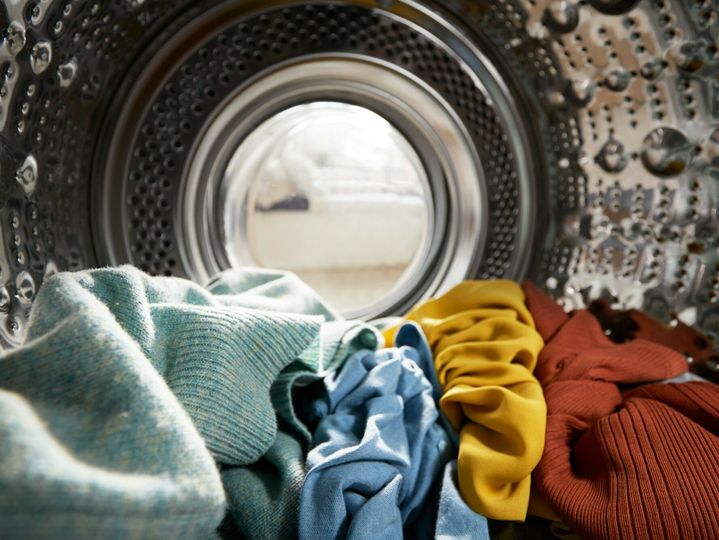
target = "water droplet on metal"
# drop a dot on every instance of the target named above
(561, 16)
(15, 36)
(13, 325)
(582, 91)
(652, 69)
(4, 299)
(618, 80)
(666, 152)
(556, 98)
(35, 14)
(27, 174)
(25, 287)
(39, 10)
(613, 157)
(693, 56)
(50, 269)
(40, 56)
(66, 72)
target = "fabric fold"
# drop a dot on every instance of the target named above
(378, 446)
(623, 462)
(276, 478)
(486, 347)
(455, 520)
(93, 441)
(129, 386)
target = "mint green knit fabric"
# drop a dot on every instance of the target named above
(104, 409)
(263, 498)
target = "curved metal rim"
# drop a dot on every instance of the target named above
(238, 190)
(433, 23)
(456, 183)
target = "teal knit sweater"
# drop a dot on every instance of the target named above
(130, 388)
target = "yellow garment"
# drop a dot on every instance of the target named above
(485, 349)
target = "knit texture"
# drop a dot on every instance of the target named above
(97, 436)
(263, 499)
(379, 448)
(622, 326)
(275, 480)
(635, 465)
(486, 348)
(284, 292)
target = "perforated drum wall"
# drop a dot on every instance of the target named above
(593, 127)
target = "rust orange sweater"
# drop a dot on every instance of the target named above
(622, 463)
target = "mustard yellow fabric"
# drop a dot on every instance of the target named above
(485, 349)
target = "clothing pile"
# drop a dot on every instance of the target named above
(143, 407)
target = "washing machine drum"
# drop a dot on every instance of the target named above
(382, 149)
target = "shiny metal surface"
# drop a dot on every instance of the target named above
(454, 174)
(642, 230)
(595, 126)
(461, 149)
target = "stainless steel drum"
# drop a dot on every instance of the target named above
(575, 142)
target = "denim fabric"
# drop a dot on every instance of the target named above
(456, 520)
(410, 335)
(379, 447)
(276, 479)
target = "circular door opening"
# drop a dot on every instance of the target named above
(381, 175)
(336, 194)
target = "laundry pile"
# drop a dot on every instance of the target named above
(143, 407)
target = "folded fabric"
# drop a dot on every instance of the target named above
(98, 406)
(455, 520)
(578, 349)
(379, 448)
(485, 348)
(275, 481)
(622, 326)
(634, 465)
(642, 466)
(264, 497)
